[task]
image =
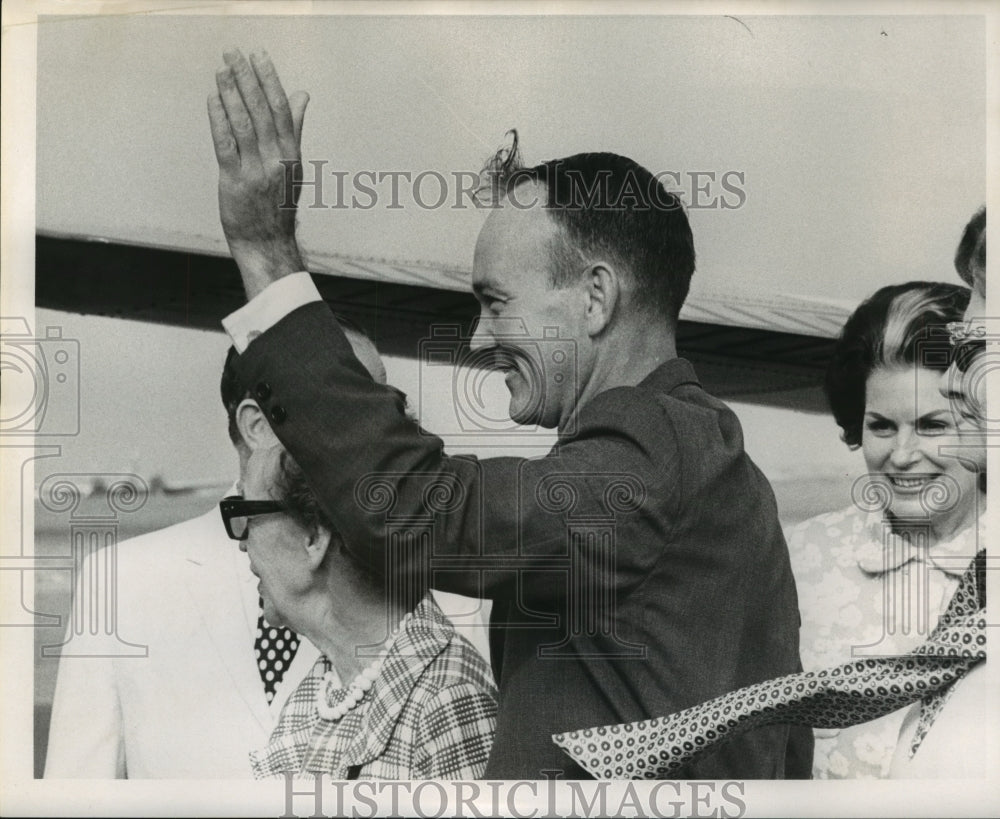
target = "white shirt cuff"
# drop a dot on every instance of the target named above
(269, 307)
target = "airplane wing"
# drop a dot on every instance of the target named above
(758, 348)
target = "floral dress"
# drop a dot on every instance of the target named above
(866, 592)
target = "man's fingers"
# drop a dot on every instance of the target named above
(273, 91)
(239, 120)
(298, 103)
(253, 98)
(222, 136)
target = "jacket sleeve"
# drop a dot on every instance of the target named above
(397, 499)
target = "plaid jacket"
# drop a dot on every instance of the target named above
(430, 714)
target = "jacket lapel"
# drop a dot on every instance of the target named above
(218, 578)
(426, 635)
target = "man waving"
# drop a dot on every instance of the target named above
(637, 569)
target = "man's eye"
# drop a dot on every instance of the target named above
(934, 426)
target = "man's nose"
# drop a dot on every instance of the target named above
(243, 546)
(482, 334)
(906, 450)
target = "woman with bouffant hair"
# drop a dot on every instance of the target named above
(874, 578)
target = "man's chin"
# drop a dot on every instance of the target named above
(274, 619)
(527, 414)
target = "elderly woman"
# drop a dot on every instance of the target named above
(396, 693)
(874, 578)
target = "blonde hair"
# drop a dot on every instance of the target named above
(911, 311)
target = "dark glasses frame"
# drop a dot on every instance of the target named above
(236, 506)
(968, 340)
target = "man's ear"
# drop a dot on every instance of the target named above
(253, 426)
(603, 293)
(317, 547)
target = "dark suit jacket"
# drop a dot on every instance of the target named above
(636, 570)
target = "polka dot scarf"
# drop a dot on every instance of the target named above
(274, 649)
(836, 697)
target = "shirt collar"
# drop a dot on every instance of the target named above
(879, 550)
(670, 375)
(664, 379)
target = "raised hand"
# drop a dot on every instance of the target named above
(257, 130)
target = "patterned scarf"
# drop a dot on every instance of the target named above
(836, 697)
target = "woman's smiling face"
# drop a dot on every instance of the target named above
(908, 422)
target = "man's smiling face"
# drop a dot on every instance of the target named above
(521, 312)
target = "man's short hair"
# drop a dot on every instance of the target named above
(900, 325)
(970, 257)
(608, 205)
(232, 391)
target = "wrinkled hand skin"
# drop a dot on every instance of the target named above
(257, 133)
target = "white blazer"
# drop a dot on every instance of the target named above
(195, 706)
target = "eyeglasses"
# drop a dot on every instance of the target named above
(237, 511)
(967, 340)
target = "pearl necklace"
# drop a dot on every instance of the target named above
(359, 686)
